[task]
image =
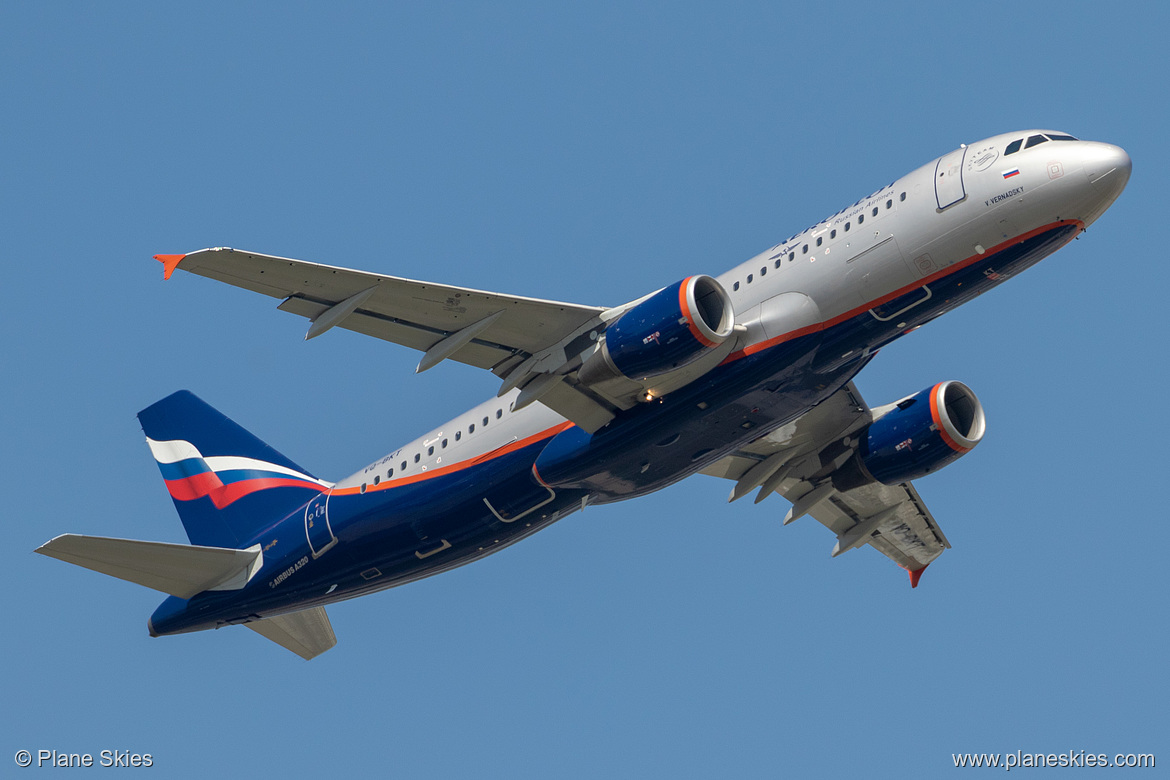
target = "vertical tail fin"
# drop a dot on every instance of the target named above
(227, 484)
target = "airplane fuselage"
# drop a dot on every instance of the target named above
(814, 308)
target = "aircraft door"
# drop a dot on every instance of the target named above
(317, 527)
(948, 179)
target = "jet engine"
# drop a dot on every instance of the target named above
(664, 332)
(919, 435)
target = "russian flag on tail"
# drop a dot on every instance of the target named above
(227, 485)
(224, 478)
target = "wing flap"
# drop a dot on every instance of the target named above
(909, 536)
(178, 569)
(307, 633)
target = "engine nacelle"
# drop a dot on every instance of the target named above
(672, 328)
(923, 433)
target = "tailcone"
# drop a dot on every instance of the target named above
(172, 617)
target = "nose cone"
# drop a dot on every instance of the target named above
(1108, 168)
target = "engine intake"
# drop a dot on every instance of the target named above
(923, 433)
(672, 328)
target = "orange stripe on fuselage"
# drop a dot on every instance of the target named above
(751, 349)
(461, 465)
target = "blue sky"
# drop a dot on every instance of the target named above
(591, 153)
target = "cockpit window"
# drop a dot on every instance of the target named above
(1034, 140)
(1055, 137)
(1013, 147)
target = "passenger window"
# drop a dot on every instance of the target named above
(846, 227)
(875, 211)
(444, 444)
(1035, 140)
(763, 270)
(1013, 147)
(390, 473)
(403, 465)
(804, 249)
(791, 256)
(458, 435)
(430, 450)
(860, 218)
(416, 457)
(499, 413)
(377, 479)
(485, 421)
(749, 279)
(889, 204)
(778, 263)
(833, 234)
(735, 286)
(471, 428)
(902, 197)
(820, 240)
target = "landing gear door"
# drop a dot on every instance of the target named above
(948, 179)
(317, 527)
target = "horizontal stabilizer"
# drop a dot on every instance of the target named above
(178, 569)
(307, 633)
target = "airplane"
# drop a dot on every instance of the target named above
(747, 376)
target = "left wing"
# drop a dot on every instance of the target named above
(800, 460)
(519, 339)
